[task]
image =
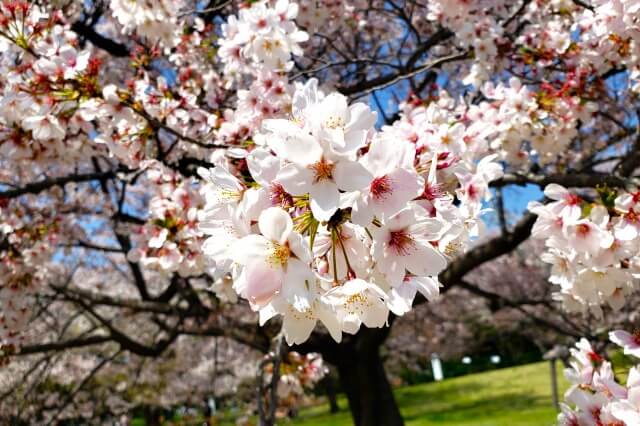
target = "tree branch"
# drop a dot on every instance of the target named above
(581, 180)
(138, 277)
(63, 345)
(36, 187)
(389, 80)
(98, 40)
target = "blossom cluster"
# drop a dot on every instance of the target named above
(156, 20)
(25, 249)
(169, 241)
(610, 37)
(299, 373)
(44, 107)
(547, 119)
(261, 36)
(476, 29)
(591, 245)
(336, 222)
(596, 395)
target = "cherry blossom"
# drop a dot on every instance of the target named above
(597, 396)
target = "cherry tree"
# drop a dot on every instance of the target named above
(301, 174)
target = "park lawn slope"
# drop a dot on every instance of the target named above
(518, 396)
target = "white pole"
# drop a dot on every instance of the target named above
(436, 366)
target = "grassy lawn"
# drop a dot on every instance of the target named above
(519, 396)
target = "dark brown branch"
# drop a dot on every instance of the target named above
(98, 40)
(90, 246)
(63, 345)
(583, 4)
(580, 180)
(138, 277)
(518, 11)
(37, 187)
(124, 217)
(502, 217)
(368, 86)
(391, 79)
(497, 300)
(125, 341)
(135, 305)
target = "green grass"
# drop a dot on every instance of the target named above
(519, 396)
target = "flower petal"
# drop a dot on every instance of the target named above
(296, 180)
(425, 260)
(324, 200)
(275, 224)
(351, 176)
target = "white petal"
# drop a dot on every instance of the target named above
(361, 213)
(297, 327)
(361, 117)
(427, 286)
(404, 185)
(295, 179)
(248, 248)
(353, 141)
(425, 260)
(324, 200)
(401, 298)
(297, 278)
(401, 220)
(266, 313)
(293, 143)
(329, 318)
(351, 176)
(263, 166)
(555, 191)
(275, 224)
(376, 315)
(300, 247)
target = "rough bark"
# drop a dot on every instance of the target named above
(369, 393)
(332, 394)
(362, 375)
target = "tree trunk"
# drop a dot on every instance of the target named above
(364, 380)
(362, 376)
(332, 395)
(152, 416)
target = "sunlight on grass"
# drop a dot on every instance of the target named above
(519, 396)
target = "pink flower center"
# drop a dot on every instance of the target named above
(279, 196)
(380, 187)
(432, 191)
(401, 242)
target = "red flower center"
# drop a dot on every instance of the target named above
(380, 187)
(583, 230)
(573, 200)
(401, 242)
